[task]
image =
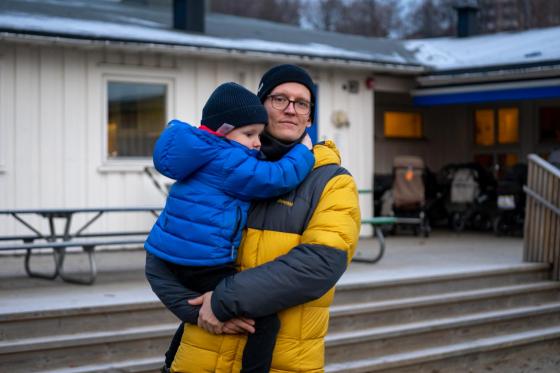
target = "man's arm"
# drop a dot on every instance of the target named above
(175, 297)
(305, 273)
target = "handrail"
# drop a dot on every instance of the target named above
(544, 164)
(541, 241)
(541, 200)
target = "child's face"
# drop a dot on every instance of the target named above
(247, 135)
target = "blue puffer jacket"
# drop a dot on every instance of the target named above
(206, 209)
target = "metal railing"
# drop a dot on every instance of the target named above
(542, 217)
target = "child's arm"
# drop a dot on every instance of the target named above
(249, 178)
(170, 291)
(180, 151)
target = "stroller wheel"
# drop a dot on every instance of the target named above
(426, 230)
(500, 226)
(457, 222)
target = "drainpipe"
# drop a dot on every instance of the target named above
(189, 15)
(466, 18)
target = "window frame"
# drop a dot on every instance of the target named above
(422, 136)
(495, 111)
(496, 149)
(131, 163)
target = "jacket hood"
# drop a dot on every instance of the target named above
(325, 153)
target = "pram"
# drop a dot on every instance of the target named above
(408, 191)
(510, 217)
(471, 198)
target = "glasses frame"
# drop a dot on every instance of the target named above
(288, 104)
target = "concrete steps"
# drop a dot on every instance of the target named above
(127, 337)
(481, 321)
(410, 325)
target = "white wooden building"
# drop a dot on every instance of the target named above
(86, 87)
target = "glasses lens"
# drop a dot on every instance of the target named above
(280, 102)
(302, 107)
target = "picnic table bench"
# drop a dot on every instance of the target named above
(58, 243)
(377, 223)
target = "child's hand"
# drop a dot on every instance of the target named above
(307, 142)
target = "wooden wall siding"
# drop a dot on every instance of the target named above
(53, 135)
(542, 224)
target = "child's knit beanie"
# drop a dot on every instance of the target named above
(232, 106)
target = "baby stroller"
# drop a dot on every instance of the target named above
(409, 201)
(471, 198)
(510, 216)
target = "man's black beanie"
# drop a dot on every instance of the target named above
(235, 105)
(286, 74)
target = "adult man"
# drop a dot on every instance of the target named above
(294, 250)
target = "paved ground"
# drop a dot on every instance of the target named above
(121, 277)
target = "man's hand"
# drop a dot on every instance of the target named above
(239, 325)
(206, 318)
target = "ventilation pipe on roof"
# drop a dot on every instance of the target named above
(189, 15)
(466, 18)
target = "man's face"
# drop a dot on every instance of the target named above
(287, 124)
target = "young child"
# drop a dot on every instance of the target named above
(218, 173)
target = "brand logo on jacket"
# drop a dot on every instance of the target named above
(284, 202)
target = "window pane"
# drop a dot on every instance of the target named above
(549, 124)
(508, 126)
(403, 125)
(484, 127)
(136, 117)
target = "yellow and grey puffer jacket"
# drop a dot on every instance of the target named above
(294, 250)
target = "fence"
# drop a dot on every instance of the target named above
(542, 219)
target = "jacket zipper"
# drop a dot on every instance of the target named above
(235, 230)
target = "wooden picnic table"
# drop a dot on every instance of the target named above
(59, 242)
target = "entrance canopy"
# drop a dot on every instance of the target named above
(521, 90)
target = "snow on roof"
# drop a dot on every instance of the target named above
(129, 22)
(513, 48)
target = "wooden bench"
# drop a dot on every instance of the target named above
(59, 254)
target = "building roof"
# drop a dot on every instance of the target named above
(538, 46)
(124, 23)
(129, 22)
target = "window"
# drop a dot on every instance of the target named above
(506, 131)
(402, 125)
(137, 112)
(549, 125)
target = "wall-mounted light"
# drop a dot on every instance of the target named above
(352, 86)
(339, 119)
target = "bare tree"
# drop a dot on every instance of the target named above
(323, 14)
(432, 18)
(368, 18)
(283, 11)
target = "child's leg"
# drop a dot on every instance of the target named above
(257, 356)
(174, 346)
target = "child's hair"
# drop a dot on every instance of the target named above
(232, 106)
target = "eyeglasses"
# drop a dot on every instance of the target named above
(281, 102)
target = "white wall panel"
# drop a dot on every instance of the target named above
(51, 125)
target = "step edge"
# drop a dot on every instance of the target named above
(412, 358)
(481, 318)
(513, 269)
(497, 292)
(84, 339)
